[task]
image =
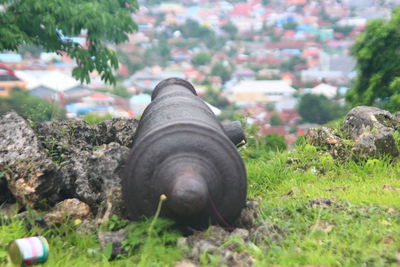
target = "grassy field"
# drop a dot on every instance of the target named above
(358, 226)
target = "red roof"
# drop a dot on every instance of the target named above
(286, 45)
(273, 130)
(296, 2)
(241, 9)
(99, 96)
(289, 116)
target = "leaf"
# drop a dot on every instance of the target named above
(107, 252)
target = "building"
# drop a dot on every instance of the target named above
(325, 89)
(247, 93)
(8, 81)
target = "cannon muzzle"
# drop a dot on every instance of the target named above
(181, 150)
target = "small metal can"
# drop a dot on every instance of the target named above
(28, 251)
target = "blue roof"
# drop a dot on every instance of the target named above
(9, 57)
(72, 108)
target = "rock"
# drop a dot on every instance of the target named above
(119, 130)
(64, 137)
(30, 174)
(361, 118)
(182, 242)
(243, 234)
(372, 129)
(204, 246)
(185, 263)
(321, 202)
(267, 231)
(248, 215)
(114, 238)
(92, 176)
(321, 136)
(237, 259)
(69, 209)
(376, 144)
(219, 243)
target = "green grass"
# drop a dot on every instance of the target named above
(361, 228)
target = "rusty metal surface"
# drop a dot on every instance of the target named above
(181, 150)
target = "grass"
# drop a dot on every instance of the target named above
(361, 228)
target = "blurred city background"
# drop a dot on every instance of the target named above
(282, 66)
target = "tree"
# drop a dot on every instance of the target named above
(48, 24)
(201, 59)
(378, 70)
(230, 29)
(319, 109)
(221, 71)
(266, 2)
(291, 25)
(121, 91)
(215, 98)
(275, 120)
(345, 30)
(29, 107)
(292, 62)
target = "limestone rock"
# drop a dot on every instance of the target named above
(66, 136)
(321, 136)
(30, 174)
(90, 175)
(248, 215)
(372, 129)
(69, 209)
(119, 130)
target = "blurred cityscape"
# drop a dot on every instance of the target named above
(262, 59)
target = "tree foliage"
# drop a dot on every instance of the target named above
(48, 23)
(378, 70)
(319, 109)
(201, 58)
(221, 71)
(275, 120)
(292, 62)
(215, 98)
(230, 29)
(29, 107)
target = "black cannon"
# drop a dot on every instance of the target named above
(181, 150)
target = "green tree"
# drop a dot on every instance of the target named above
(215, 98)
(48, 23)
(201, 58)
(29, 107)
(292, 62)
(274, 142)
(345, 30)
(121, 91)
(220, 70)
(230, 29)
(378, 70)
(319, 109)
(266, 2)
(290, 25)
(275, 120)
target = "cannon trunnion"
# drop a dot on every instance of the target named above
(181, 150)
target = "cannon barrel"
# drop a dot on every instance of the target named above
(181, 150)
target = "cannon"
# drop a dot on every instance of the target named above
(181, 150)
